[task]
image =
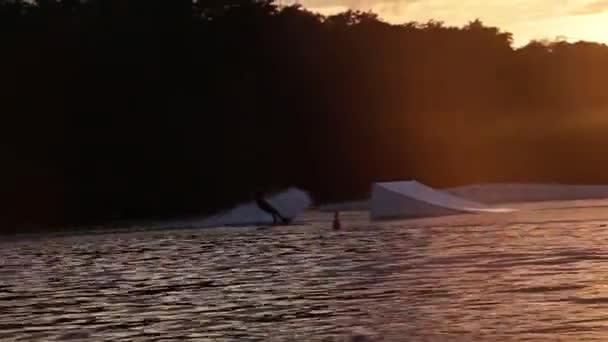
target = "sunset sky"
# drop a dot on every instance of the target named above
(526, 19)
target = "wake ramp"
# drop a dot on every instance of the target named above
(405, 199)
(290, 203)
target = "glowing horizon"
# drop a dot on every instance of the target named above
(526, 19)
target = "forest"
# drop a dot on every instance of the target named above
(147, 109)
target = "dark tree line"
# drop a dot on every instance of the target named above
(116, 109)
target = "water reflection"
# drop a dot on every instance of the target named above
(535, 275)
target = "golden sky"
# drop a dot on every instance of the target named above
(526, 19)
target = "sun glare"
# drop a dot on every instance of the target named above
(526, 20)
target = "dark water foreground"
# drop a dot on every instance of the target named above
(537, 275)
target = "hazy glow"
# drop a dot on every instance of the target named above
(526, 19)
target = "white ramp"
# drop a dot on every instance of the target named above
(289, 203)
(412, 199)
(529, 192)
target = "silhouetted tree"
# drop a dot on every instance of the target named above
(146, 108)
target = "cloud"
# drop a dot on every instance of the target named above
(594, 7)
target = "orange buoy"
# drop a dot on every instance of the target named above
(337, 224)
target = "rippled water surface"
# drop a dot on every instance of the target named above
(530, 275)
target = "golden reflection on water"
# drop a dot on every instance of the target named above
(536, 275)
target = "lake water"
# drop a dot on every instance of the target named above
(532, 275)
